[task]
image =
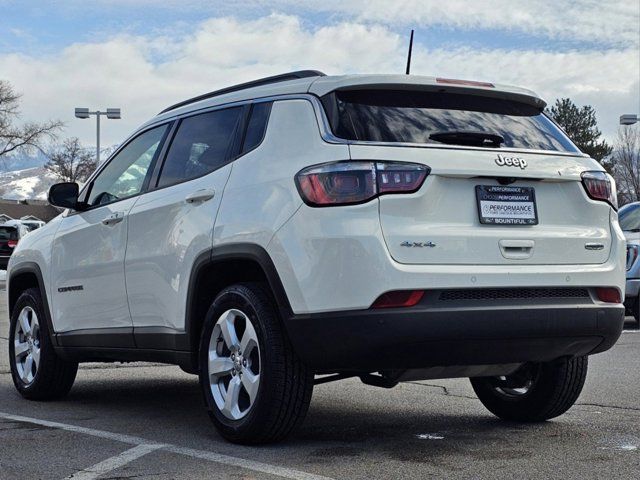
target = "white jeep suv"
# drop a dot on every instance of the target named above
(306, 228)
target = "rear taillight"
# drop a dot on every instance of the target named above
(608, 294)
(12, 243)
(600, 186)
(398, 299)
(632, 255)
(349, 183)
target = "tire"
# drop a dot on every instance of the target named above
(636, 310)
(46, 376)
(536, 392)
(283, 391)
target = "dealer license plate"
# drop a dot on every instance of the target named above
(505, 205)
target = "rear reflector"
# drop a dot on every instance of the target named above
(470, 83)
(399, 298)
(608, 295)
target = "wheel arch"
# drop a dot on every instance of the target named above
(220, 267)
(24, 276)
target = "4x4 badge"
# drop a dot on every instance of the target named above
(503, 161)
(417, 244)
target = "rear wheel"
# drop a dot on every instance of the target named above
(534, 393)
(37, 372)
(636, 310)
(255, 387)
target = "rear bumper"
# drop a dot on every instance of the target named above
(4, 261)
(419, 337)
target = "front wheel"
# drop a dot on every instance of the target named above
(37, 372)
(255, 387)
(534, 393)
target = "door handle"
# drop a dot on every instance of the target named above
(114, 218)
(200, 196)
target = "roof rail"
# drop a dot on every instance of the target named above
(254, 83)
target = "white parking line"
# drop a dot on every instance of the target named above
(113, 463)
(202, 454)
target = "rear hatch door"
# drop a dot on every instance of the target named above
(442, 223)
(505, 183)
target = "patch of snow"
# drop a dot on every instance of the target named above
(30, 183)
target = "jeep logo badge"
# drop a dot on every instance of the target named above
(503, 161)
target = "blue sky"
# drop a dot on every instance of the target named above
(142, 55)
(43, 27)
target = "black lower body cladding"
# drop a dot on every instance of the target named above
(418, 337)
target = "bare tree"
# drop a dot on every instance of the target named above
(70, 161)
(27, 137)
(625, 162)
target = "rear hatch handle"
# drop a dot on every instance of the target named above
(516, 249)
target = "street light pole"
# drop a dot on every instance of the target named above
(97, 138)
(112, 113)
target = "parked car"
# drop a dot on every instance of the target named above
(32, 224)
(10, 234)
(629, 216)
(304, 228)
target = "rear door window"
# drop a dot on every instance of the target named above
(257, 126)
(441, 118)
(202, 144)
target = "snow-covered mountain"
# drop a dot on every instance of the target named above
(30, 183)
(22, 161)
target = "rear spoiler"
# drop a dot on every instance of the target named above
(325, 85)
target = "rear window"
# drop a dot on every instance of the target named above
(451, 118)
(8, 233)
(629, 217)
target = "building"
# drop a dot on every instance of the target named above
(27, 210)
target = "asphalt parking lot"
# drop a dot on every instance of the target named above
(148, 421)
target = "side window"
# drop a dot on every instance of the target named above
(257, 126)
(124, 175)
(201, 145)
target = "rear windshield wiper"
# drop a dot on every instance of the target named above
(470, 139)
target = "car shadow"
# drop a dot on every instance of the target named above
(172, 409)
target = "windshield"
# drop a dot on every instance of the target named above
(8, 233)
(629, 217)
(441, 117)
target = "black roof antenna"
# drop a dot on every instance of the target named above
(409, 55)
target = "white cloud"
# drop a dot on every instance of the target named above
(614, 21)
(609, 21)
(144, 74)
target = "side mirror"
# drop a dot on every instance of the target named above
(64, 195)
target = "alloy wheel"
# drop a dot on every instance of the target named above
(234, 364)
(26, 343)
